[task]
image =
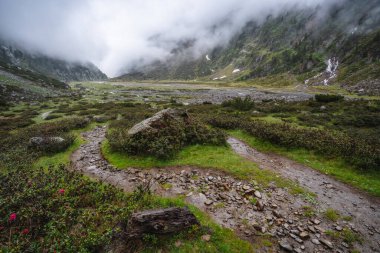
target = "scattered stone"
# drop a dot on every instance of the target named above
(208, 202)
(315, 241)
(260, 205)
(258, 194)
(304, 235)
(285, 246)
(316, 222)
(277, 214)
(338, 228)
(178, 243)
(206, 237)
(327, 243)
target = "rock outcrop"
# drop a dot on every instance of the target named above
(148, 123)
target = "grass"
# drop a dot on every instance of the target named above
(346, 235)
(63, 157)
(308, 211)
(332, 214)
(217, 157)
(367, 181)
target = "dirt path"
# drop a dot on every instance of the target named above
(330, 192)
(227, 200)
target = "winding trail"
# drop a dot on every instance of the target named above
(227, 200)
(330, 192)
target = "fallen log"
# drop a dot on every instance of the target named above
(160, 221)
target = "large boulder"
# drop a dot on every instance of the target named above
(48, 143)
(149, 123)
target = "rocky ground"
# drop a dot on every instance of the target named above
(243, 206)
(196, 93)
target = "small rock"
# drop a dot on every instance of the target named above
(178, 244)
(277, 214)
(315, 241)
(206, 238)
(258, 194)
(208, 202)
(304, 235)
(327, 243)
(285, 246)
(338, 228)
(246, 187)
(260, 205)
(316, 222)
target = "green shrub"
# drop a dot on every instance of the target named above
(240, 104)
(16, 144)
(166, 137)
(327, 98)
(355, 150)
(59, 211)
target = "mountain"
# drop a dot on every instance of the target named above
(19, 84)
(316, 46)
(55, 68)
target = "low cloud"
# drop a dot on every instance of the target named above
(117, 34)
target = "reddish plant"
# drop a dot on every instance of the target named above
(12, 217)
(25, 231)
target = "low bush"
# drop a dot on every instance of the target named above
(166, 137)
(330, 143)
(16, 144)
(327, 98)
(55, 210)
(240, 104)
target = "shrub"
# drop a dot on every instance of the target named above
(166, 137)
(327, 98)
(331, 143)
(240, 104)
(15, 145)
(55, 210)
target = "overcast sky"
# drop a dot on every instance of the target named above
(117, 34)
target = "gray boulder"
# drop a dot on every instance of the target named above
(40, 142)
(147, 123)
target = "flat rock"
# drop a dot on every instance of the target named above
(284, 244)
(257, 194)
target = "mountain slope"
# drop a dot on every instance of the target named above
(55, 68)
(18, 84)
(296, 43)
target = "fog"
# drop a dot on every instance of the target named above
(117, 35)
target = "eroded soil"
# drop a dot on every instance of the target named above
(240, 205)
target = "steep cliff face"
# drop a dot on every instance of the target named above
(299, 43)
(55, 68)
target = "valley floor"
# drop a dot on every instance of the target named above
(228, 200)
(270, 202)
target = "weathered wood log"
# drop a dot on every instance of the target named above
(160, 221)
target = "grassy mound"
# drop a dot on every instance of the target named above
(165, 138)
